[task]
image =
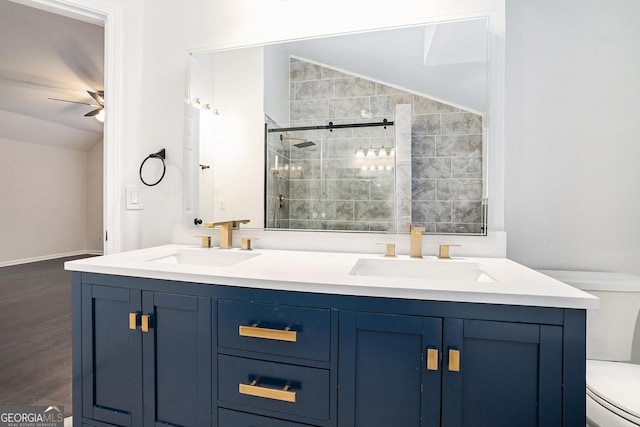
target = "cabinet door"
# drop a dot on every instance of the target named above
(383, 377)
(176, 359)
(506, 374)
(111, 356)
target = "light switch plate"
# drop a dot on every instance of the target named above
(134, 198)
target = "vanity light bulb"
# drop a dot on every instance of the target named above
(364, 167)
(359, 152)
(382, 152)
(392, 152)
(371, 153)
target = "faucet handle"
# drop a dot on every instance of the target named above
(413, 228)
(206, 241)
(443, 252)
(246, 243)
(391, 249)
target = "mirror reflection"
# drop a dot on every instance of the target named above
(359, 132)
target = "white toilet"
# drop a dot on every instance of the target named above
(613, 346)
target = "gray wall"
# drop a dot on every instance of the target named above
(572, 134)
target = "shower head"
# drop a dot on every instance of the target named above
(304, 144)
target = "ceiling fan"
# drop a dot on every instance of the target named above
(98, 111)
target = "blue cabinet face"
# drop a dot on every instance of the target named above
(146, 357)
(229, 418)
(384, 380)
(177, 360)
(494, 374)
(111, 363)
(310, 329)
(299, 390)
(509, 374)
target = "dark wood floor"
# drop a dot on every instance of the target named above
(35, 334)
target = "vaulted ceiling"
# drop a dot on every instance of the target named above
(42, 56)
(446, 60)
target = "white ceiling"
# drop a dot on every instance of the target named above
(44, 55)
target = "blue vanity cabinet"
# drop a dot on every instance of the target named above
(146, 357)
(427, 372)
(277, 364)
(502, 374)
(149, 352)
(384, 379)
(111, 356)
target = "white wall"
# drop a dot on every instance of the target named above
(170, 30)
(572, 135)
(44, 201)
(276, 84)
(240, 99)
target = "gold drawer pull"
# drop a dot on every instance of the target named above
(146, 321)
(269, 393)
(271, 334)
(432, 359)
(454, 360)
(133, 321)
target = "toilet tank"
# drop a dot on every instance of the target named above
(613, 328)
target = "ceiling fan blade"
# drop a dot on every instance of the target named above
(72, 102)
(98, 96)
(93, 112)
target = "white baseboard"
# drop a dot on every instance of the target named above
(48, 257)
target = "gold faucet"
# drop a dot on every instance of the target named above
(206, 241)
(226, 227)
(245, 243)
(443, 251)
(391, 250)
(416, 241)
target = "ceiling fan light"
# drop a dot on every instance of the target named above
(100, 116)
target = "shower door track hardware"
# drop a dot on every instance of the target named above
(332, 126)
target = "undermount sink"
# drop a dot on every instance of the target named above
(422, 269)
(206, 257)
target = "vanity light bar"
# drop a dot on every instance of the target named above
(331, 126)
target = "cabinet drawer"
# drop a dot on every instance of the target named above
(275, 329)
(277, 387)
(228, 418)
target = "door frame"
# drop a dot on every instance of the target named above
(109, 15)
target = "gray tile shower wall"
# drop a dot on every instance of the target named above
(326, 185)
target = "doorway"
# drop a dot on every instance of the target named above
(108, 16)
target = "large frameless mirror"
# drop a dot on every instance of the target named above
(360, 132)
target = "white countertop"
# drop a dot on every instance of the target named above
(328, 273)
